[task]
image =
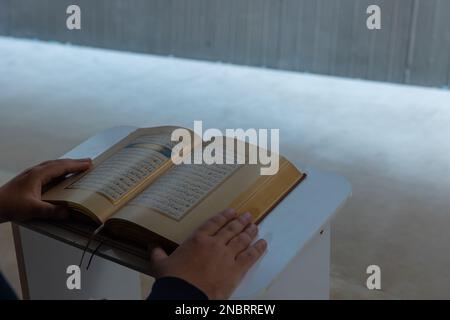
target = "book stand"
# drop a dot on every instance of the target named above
(295, 266)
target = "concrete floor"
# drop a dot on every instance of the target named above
(390, 141)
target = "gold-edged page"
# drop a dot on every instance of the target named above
(181, 199)
(118, 175)
(188, 194)
(268, 191)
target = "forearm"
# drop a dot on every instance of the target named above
(3, 214)
(172, 288)
(6, 292)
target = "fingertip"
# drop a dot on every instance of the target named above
(262, 245)
(156, 253)
(86, 162)
(247, 217)
(230, 213)
(151, 247)
(79, 165)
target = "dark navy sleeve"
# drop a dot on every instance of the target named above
(171, 288)
(6, 293)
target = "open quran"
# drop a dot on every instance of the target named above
(139, 192)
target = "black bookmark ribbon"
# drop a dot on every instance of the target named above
(96, 231)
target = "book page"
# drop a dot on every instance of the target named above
(181, 199)
(118, 174)
(121, 173)
(182, 187)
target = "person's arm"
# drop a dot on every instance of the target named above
(173, 288)
(211, 263)
(20, 199)
(6, 292)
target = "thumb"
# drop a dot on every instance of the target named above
(157, 254)
(47, 210)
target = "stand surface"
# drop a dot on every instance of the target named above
(288, 229)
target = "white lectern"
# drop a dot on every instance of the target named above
(296, 265)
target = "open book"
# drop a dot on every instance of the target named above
(140, 196)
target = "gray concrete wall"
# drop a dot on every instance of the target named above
(318, 36)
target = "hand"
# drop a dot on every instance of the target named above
(20, 198)
(216, 257)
